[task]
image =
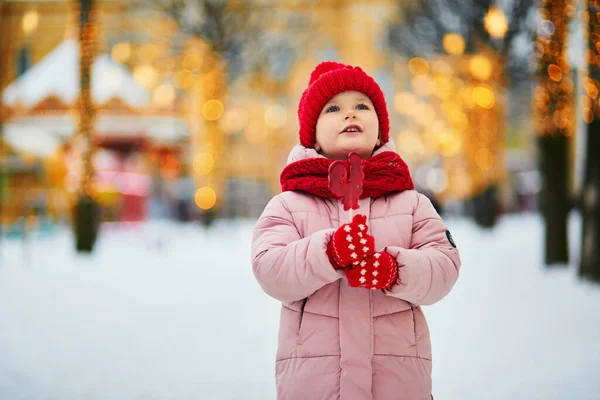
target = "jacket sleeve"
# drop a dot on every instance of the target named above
(287, 266)
(429, 269)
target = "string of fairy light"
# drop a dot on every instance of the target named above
(589, 101)
(88, 34)
(553, 108)
(456, 111)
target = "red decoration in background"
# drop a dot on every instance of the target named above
(347, 183)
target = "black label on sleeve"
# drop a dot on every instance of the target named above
(449, 236)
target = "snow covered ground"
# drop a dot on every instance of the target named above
(188, 320)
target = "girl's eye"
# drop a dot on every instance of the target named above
(362, 107)
(332, 109)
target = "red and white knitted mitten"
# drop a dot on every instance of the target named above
(351, 243)
(378, 271)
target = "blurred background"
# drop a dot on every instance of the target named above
(141, 139)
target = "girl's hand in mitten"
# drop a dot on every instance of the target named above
(351, 243)
(378, 271)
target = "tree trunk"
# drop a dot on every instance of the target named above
(86, 222)
(553, 118)
(554, 196)
(590, 207)
(486, 208)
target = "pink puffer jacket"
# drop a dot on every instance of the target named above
(339, 342)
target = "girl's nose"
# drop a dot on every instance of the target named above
(350, 115)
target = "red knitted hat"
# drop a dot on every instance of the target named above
(326, 81)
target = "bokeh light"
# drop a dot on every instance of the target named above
(418, 66)
(443, 87)
(212, 110)
(30, 21)
(423, 85)
(484, 96)
(205, 198)
(183, 79)
(233, 120)
(404, 102)
(255, 133)
(193, 61)
(480, 67)
(555, 72)
(163, 96)
(146, 75)
(484, 159)
(147, 53)
(454, 44)
(121, 52)
(495, 22)
(275, 116)
(203, 163)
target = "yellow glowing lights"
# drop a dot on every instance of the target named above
(480, 67)
(495, 22)
(404, 102)
(275, 116)
(411, 143)
(204, 163)
(418, 66)
(163, 95)
(458, 120)
(454, 44)
(121, 52)
(555, 72)
(255, 133)
(443, 85)
(484, 96)
(484, 159)
(147, 53)
(465, 95)
(183, 79)
(205, 198)
(588, 115)
(449, 143)
(423, 85)
(30, 21)
(146, 75)
(585, 102)
(591, 89)
(193, 61)
(212, 110)
(233, 120)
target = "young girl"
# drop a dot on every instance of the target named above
(351, 289)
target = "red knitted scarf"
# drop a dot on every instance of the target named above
(384, 173)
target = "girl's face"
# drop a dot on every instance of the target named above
(347, 123)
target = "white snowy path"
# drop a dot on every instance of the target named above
(190, 322)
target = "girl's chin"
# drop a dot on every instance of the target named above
(342, 154)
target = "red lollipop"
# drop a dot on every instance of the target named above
(346, 180)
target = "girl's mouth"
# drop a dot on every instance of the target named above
(352, 129)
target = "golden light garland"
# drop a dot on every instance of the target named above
(553, 108)
(591, 80)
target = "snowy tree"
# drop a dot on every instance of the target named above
(553, 118)
(87, 210)
(487, 27)
(590, 193)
